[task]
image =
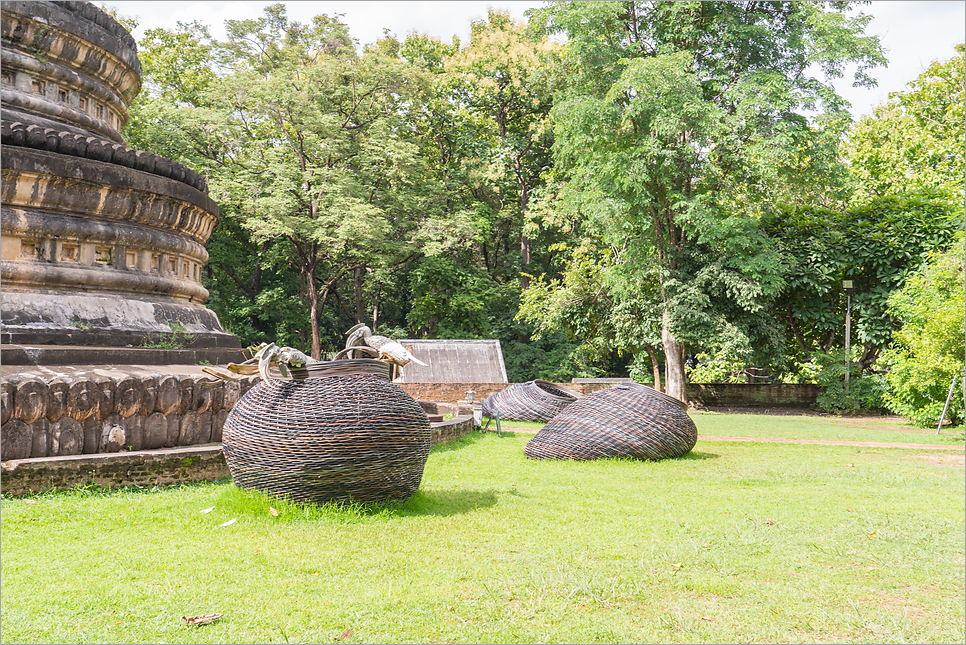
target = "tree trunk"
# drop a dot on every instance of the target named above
(313, 297)
(375, 314)
(360, 306)
(655, 366)
(674, 381)
(525, 251)
(524, 240)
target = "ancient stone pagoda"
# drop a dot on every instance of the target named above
(102, 245)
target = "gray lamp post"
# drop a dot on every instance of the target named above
(848, 289)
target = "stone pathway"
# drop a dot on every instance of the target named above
(823, 442)
(831, 442)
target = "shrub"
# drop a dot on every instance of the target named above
(928, 352)
(866, 390)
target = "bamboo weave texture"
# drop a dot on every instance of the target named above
(628, 420)
(344, 437)
(531, 401)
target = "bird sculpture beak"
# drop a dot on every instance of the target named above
(355, 328)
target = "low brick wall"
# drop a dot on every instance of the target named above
(456, 392)
(773, 395)
(766, 395)
(450, 392)
(163, 467)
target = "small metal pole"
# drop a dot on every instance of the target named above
(946, 407)
(848, 340)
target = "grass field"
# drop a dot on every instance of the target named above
(737, 542)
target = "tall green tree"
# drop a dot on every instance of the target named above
(915, 142)
(314, 147)
(249, 282)
(503, 94)
(680, 122)
(878, 245)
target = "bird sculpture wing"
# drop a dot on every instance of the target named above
(392, 351)
(295, 358)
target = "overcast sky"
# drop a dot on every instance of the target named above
(914, 33)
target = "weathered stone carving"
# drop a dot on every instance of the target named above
(102, 414)
(169, 395)
(30, 400)
(7, 390)
(100, 244)
(66, 437)
(83, 400)
(127, 396)
(16, 440)
(58, 399)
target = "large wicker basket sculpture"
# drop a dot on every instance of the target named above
(342, 432)
(531, 401)
(628, 420)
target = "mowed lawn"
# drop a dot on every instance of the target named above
(737, 542)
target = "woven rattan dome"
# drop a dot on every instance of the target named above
(629, 420)
(531, 401)
(343, 434)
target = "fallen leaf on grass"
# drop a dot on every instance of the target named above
(229, 522)
(872, 534)
(208, 510)
(346, 634)
(203, 619)
(30, 501)
(273, 511)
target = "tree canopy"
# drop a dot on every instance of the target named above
(611, 188)
(678, 120)
(915, 141)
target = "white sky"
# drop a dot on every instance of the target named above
(914, 33)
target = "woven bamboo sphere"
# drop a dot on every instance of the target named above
(628, 420)
(531, 401)
(345, 435)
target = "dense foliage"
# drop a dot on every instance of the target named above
(916, 140)
(877, 245)
(928, 352)
(615, 188)
(676, 124)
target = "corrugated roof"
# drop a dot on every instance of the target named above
(454, 361)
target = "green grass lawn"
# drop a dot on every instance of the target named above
(737, 542)
(877, 429)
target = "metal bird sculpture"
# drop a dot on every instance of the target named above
(389, 350)
(264, 356)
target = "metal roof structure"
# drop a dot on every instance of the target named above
(454, 361)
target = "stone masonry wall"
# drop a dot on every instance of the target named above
(772, 395)
(67, 417)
